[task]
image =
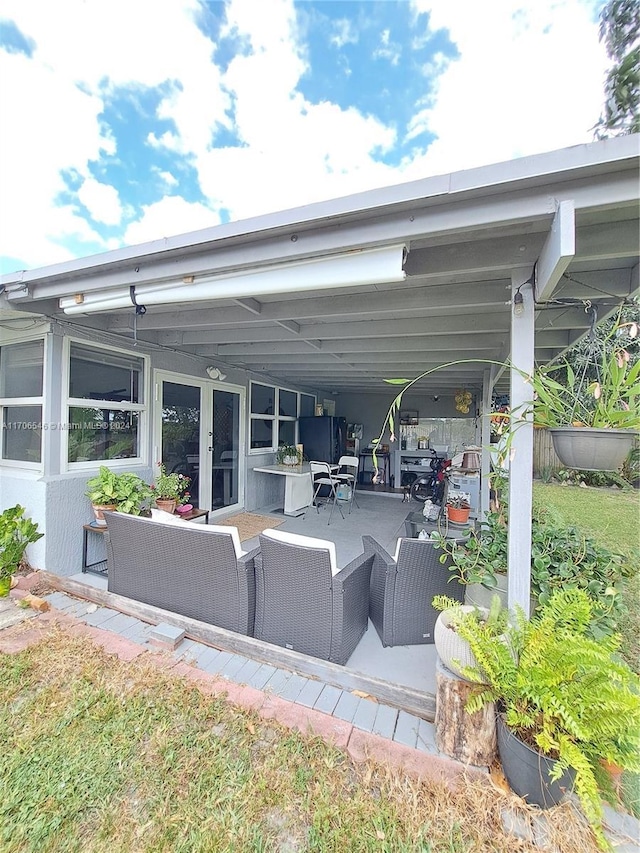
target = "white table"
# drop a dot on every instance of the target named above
(298, 491)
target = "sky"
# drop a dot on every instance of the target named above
(125, 121)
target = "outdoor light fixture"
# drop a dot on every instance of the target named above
(518, 303)
(348, 269)
(214, 373)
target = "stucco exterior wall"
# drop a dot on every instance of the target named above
(55, 498)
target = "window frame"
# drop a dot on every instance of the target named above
(275, 418)
(6, 402)
(82, 403)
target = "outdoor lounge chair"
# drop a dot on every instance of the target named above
(304, 602)
(194, 569)
(402, 588)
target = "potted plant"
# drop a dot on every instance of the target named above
(170, 490)
(110, 490)
(16, 532)
(592, 427)
(454, 651)
(567, 702)
(561, 555)
(458, 507)
(288, 454)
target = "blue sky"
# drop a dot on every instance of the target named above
(134, 120)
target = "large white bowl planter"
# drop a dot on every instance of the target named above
(589, 449)
(453, 651)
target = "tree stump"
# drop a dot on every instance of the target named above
(470, 738)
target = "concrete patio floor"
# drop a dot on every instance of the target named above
(382, 516)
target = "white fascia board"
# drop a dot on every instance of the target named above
(597, 157)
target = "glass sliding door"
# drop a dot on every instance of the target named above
(200, 433)
(226, 449)
(180, 441)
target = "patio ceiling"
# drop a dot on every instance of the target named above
(465, 235)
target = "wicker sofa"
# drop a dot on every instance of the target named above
(193, 569)
(304, 602)
(402, 588)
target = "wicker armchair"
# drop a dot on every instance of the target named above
(303, 602)
(402, 588)
(196, 570)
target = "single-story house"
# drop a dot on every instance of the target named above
(205, 348)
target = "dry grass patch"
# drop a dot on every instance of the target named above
(102, 755)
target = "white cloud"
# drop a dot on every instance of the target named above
(529, 79)
(168, 217)
(54, 103)
(102, 201)
(168, 179)
(343, 33)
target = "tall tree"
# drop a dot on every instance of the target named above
(620, 32)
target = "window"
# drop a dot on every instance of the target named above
(268, 429)
(21, 383)
(105, 404)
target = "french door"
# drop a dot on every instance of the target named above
(199, 432)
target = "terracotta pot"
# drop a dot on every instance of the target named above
(99, 510)
(458, 516)
(166, 505)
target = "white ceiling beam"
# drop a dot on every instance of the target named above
(557, 253)
(251, 305)
(403, 299)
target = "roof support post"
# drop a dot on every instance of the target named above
(487, 391)
(521, 457)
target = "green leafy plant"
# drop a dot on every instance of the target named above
(612, 401)
(460, 501)
(562, 692)
(561, 557)
(495, 619)
(170, 487)
(16, 532)
(287, 452)
(126, 491)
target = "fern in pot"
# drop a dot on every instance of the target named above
(567, 703)
(453, 650)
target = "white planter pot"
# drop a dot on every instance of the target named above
(453, 651)
(480, 596)
(588, 449)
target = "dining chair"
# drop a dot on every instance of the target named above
(321, 477)
(347, 473)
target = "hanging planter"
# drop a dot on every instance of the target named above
(592, 423)
(590, 449)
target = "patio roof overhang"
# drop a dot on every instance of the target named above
(567, 221)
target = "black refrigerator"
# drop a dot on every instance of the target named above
(323, 439)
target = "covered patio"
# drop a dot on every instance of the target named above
(464, 272)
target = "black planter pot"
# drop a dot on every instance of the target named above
(527, 771)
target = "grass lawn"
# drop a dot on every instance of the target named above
(611, 516)
(101, 755)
